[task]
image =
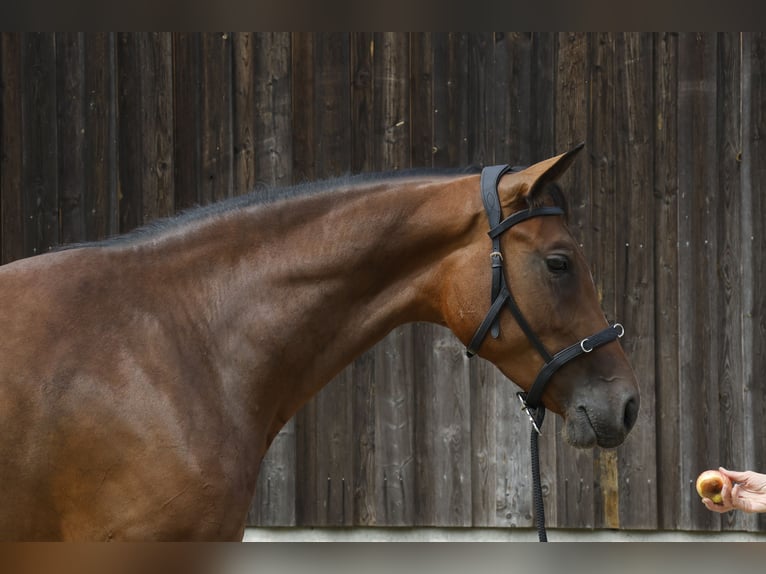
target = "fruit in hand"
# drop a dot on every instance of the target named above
(709, 485)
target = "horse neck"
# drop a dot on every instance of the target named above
(311, 283)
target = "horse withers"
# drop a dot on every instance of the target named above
(142, 378)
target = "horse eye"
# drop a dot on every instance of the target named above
(557, 263)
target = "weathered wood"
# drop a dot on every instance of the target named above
(635, 306)
(70, 103)
(272, 109)
(754, 214)
(511, 115)
(574, 469)
(216, 157)
(602, 237)
(186, 117)
(40, 143)
(263, 146)
(12, 222)
(100, 200)
(320, 88)
(666, 280)
(396, 390)
(697, 265)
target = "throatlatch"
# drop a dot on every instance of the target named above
(501, 297)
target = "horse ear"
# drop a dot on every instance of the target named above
(542, 173)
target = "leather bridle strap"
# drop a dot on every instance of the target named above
(501, 294)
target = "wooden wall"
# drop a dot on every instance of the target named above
(100, 133)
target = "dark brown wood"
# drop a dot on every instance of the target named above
(697, 264)
(186, 118)
(396, 388)
(12, 220)
(667, 414)
(40, 143)
(574, 469)
(70, 103)
(635, 270)
(321, 88)
(601, 237)
(754, 317)
(264, 136)
(216, 157)
(100, 154)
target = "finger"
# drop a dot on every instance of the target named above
(719, 508)
(734, 475)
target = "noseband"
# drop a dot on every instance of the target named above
(502, 296)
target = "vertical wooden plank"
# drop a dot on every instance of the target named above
(216, 117)
(698, 410)
(100, 153)
(450, 99)
(145, 126)
(637, 456)
(303, 170)
(507, 500)
(129, 127)
(187, 170)
(667, 279)
(442, 393)
(512, 86)
(575, 474)
(481, 128)
(157, 140)
(543, 145)
(730, 368)
(542, 86)
(266, 78)
(40, 174)
(334, 403)
(70, 101)
(244, 54)
(321, 97)
(396, 386)
(421, 114)
(599, 247)
(273, 109)
(11, 147)
(367, 489)
(754, 264)
(362, 102)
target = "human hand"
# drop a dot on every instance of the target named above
(747, 492)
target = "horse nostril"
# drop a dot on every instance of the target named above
(631, 413)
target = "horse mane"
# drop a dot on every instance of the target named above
(263, 196)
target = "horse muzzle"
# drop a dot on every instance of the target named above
(606, 424)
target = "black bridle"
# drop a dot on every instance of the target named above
(502, 297)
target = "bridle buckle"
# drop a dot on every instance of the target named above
(527, 409)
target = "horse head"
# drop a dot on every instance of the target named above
(540, 267)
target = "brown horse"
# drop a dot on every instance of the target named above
(143, 378)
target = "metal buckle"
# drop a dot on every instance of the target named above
(622, 329)
(526, 409)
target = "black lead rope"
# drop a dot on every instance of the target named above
(537, 487)
(503, 297)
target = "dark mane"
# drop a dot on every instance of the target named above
(265, 196)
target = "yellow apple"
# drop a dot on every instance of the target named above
(709, 485)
